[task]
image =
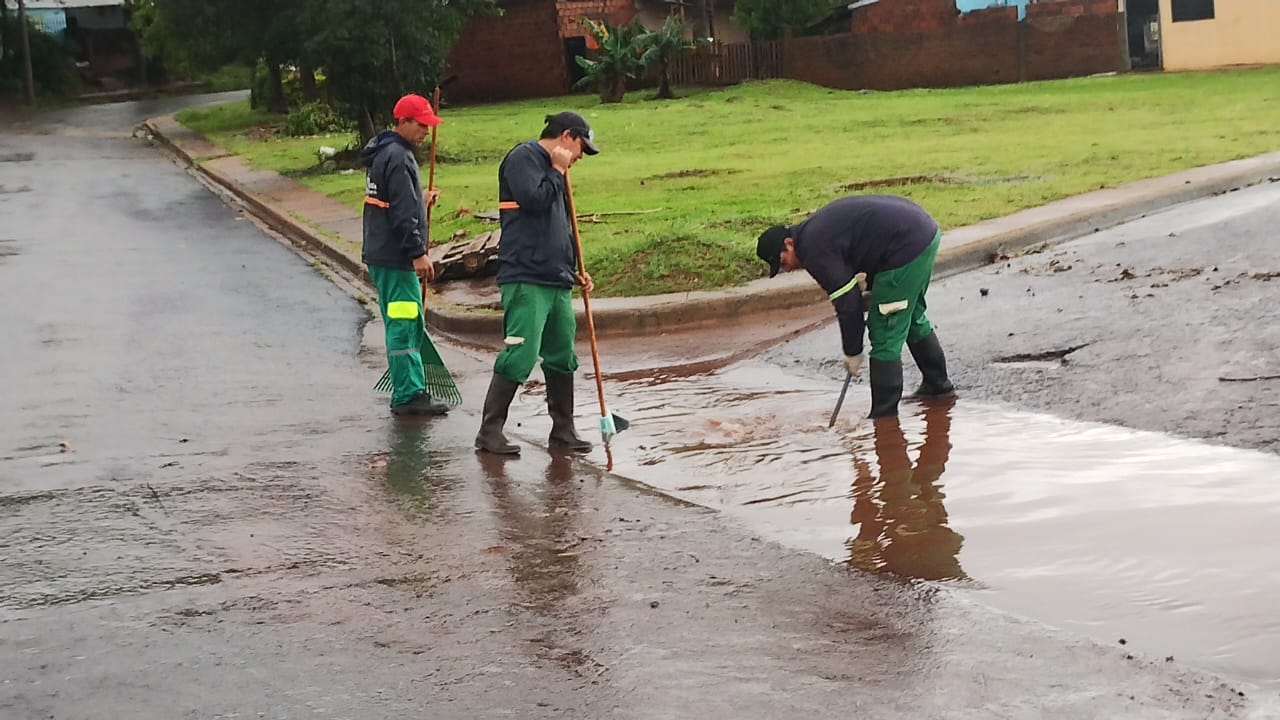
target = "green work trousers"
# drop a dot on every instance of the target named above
(400, 298)
(897, 308)
(538, 322)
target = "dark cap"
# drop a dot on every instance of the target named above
(770, 246)
(574, 123)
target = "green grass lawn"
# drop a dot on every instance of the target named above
(720, 166)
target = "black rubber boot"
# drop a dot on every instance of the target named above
(560, 406)
(494, 416)
(422, 404)
(933, 368)
(886, 387)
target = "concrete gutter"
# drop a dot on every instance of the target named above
(963, 248)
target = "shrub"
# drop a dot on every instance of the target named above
(229, 77)
(314, 119)
(52, 64)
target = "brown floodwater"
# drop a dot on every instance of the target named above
(1165, 543)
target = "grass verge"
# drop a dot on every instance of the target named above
(711, 169)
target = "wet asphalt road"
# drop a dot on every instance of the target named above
(204, 514)
(1172, 324)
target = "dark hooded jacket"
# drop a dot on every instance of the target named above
(395, 217)
(864, 233)
(537, 244)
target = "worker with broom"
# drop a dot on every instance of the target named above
(395, 248)
(537, 270)
(894, 242)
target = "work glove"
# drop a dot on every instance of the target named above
(860, 280)
(853, 363)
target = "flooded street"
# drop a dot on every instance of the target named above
(1170, 324)
(206, 513)
(1109, 532)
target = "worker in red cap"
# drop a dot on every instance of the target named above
(395, 248)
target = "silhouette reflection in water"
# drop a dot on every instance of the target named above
(900, 516)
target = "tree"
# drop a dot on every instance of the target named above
(52, 69)
(769, 19)
(207, 34)
(617, 61)
(374, 52)
(370, 51)
(664, 46)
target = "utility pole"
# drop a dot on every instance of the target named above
(26, 53)
(706, 8)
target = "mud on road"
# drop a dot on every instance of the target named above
(204, 513)
(1170, 323)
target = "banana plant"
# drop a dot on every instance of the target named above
(619, 58)
(663, 47)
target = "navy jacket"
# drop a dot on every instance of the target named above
(396, 234)
(537, 244)
(864, 233)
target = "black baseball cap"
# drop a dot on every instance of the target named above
(575, 123)
(770, 246)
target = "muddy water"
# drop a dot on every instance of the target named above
(1165, 543)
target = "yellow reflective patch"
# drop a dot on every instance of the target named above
(401, 310)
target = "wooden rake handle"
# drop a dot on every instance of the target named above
(586, 296)
(431, 185)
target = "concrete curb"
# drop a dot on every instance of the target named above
(963, 249)
(443, 316)
(273, 217)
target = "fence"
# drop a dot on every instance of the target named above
(729, 64)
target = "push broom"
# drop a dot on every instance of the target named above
(610, 424)
(440, 384)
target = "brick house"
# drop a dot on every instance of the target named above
(528, 50)
(1204, 34)
(706, 18)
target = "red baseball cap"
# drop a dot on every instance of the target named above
(416, 107)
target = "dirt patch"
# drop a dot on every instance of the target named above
(699, 173)
(262, 133)
(348, 159)
(899, 182)
(1267, 276)
(17, 157)
(933, 179)
(1056, 355)
(1173, 275)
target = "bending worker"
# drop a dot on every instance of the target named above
(395, 249)
(894, 242)
(537, 269)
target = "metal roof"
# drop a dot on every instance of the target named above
(64, 4)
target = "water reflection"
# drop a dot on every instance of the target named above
(538, 529)
(415, 472)
(1080, 525)
(900, 514)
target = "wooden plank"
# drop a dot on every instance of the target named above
(466, 259)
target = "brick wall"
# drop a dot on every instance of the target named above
(906, 16)
(521, 54)
(976, 49)
(1071, 45)
(899, 44)
(517, 55)
(616, 12)
(1074, 8)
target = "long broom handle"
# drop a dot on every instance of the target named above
(586, 296)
